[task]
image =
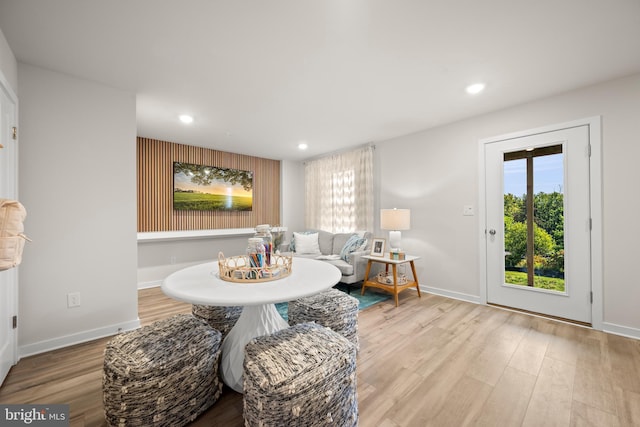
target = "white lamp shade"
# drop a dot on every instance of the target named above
(395, 219)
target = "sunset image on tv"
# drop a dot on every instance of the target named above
(207, 188)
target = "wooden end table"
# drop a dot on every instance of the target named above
(394, 288)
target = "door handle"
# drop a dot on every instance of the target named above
(492, 232)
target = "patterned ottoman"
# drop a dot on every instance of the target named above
(164, 374)
(333, 309)
(304, 375)
(220, 318)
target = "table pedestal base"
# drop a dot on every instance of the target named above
(255, 320)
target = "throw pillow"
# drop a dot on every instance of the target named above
(306, 243)
(365, 241)
(292, 245)
(355, 242)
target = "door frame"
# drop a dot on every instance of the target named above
(14, 305)
(595, 192)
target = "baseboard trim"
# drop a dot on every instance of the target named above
(624, 331)
(151, 284)
(78, 338)
(451, 294)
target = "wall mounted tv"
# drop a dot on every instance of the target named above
(208, 188)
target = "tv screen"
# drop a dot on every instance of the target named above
(208, 188)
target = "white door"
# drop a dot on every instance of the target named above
(539, 262)
(8, 190)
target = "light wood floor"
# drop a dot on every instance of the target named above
(431, 361)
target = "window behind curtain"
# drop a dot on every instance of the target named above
(339, 192)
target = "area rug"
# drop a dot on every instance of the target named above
(367, 300)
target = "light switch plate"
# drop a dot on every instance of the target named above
(73, 299)
(467, 210)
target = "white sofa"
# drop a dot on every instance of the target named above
(330, 248)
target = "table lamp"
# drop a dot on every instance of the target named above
(395, 220)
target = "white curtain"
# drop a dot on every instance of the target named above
(339, 192)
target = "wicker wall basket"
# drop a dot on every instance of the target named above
(237, 269)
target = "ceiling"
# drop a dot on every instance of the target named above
(259, 77)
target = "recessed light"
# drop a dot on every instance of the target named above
(475, 88)
(185, 118)
(302, 146)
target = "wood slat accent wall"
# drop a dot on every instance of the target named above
(155, 188)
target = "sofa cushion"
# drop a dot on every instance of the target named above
(339, 239)
(306, 243)
(345, 268)
(325, 241)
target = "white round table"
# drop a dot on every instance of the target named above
(201, 284)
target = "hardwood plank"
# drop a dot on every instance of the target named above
(498, 338)
(374, 408)
(551, 399)
(593, 386)
(587, 416)
(509, 399)
(464, 403)
(531, 351)
(628, 407)
(564, 344)
(432, 394)
(625, 362)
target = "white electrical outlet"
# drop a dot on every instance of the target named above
(173, 259)
(73, 299)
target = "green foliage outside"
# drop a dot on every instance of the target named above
(548, 236)
(549, 215)
(514, 208)
(208, 202)
(515, 240)
(520, 278)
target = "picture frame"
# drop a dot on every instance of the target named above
(377, 247)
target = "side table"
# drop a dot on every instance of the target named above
(396, 287)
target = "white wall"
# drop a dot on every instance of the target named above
(158, 259)
(292, 198)
(77, 181)
(8, 64)
(435, 173)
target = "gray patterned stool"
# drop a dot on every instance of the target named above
(304, 375)
(333, 309)
(220, 318)
(164, 374)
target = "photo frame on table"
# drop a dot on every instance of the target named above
(377, 247)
